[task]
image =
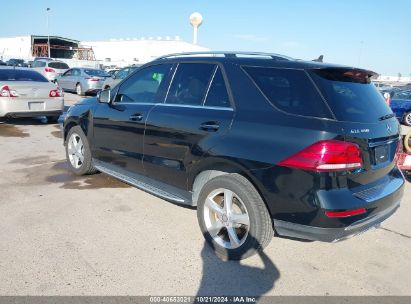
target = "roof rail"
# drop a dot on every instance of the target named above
(227, 55)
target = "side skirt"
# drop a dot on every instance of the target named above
(145, 183)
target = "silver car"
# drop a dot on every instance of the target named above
(117, 77)
(50, 68)
(82, 80)
(27, 93)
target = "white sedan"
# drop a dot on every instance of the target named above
(27, 93)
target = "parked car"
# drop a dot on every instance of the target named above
(51, 69)
(401, 106)
(255, 142)
(112, 72)
(16, 62)
(112, 81)
(2, 63)
(27, 93)
(82, 80)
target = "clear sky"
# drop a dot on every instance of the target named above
(374, 34)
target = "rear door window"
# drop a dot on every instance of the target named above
(190, 83)
(290, 91)
(351, 95)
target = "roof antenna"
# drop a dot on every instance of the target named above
(319, 59)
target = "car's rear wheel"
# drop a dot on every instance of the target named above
(52, 119)
(78, 152)
(79, 90)
(233, 217)
(407, 119)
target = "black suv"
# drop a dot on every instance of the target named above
(258, 142)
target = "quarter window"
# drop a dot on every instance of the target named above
(190, 83)
(290, 91)
(144, 86)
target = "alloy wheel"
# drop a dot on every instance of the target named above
(226, 218)
(75, 150)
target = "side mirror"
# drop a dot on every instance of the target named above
(113, 76)
(104, 96)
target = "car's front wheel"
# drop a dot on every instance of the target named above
(407, 119)
(78, 152)
(233, 217)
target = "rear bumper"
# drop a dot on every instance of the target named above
(333, 234)
(33, 114)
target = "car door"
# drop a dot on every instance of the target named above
(195, 116)
(63, 81)
(118, 127)
(74, 79)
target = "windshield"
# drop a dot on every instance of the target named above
(351, 95)
(99, 73)
(21, 75)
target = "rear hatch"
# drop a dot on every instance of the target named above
(365, 119)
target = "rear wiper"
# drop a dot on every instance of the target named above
(388, 116)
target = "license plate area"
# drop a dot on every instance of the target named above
(36, 106)
(381, 154)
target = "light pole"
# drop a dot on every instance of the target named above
(196, 20)
(48, 32)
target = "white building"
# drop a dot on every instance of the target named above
(120, 52)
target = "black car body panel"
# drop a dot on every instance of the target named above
(174, 143)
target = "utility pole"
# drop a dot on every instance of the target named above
(48, 32)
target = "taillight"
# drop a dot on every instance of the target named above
(56, 93)
(49, 70)
(92, 79)
(6, 92)
(326, 155)
(345, 213)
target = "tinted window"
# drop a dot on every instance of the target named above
(190, 83)
(58, 65)
(39, 64)
(68, 73)
(100, 73)
(75, 72)
(122, 74)
(217, 95)
(144, 86)
(351, 95)
(21, 75)
(402, 95)
(290, 91)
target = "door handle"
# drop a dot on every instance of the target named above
(136, 117)
(210, 126)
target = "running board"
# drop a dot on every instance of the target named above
(145, 183)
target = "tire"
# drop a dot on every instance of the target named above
(79, 90)
(407, 175)
(78, 158)
(407, 142)
(407, 119)
(215, 225)
(52, 119)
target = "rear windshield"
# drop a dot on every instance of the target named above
(39, 64)
(290, 91)
(351, 95)
(59, 65)
(100, 73)
(21, 75)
